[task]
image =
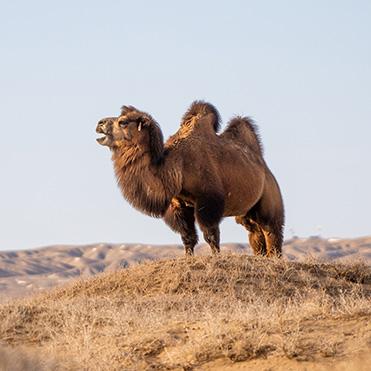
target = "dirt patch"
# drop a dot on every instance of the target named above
(200, 313)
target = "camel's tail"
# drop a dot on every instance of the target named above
(243, 130)
(198, 110)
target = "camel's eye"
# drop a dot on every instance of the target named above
(123, 123)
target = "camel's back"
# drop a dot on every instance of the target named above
(214, 164)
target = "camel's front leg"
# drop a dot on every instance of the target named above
(180, 218)
(212, 237)
(209, 212)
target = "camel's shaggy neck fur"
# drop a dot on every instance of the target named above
(145, 179)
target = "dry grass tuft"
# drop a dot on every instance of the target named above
(185, 313)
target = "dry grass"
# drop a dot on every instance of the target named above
(185, 313)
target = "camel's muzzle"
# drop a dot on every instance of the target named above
(104, 127)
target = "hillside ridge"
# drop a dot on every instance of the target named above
(25, 272)
(203, 312)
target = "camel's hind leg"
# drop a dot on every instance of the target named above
(265, 237)
(273, 239)
(180, 218)
(267, 217)
(256, 235)
(209, 212)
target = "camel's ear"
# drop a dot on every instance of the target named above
(145, 121)
(127, 109)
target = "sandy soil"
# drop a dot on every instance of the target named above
(29, 271)
(231, 312)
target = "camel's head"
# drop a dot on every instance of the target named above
(130, 128)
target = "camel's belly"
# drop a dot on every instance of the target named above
(240, 186)
(242, 193)
(239, 204)
(235, 203)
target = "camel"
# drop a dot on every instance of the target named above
(198, 175)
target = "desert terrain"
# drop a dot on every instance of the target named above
(27, 272)
(76, 308)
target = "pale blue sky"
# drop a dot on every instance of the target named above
(301, 69)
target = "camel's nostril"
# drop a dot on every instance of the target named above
(105, 123)
(100, 127)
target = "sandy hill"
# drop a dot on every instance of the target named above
(233, 312)
(28, 271)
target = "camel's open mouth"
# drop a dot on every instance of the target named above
(105, 136)
(101, 140)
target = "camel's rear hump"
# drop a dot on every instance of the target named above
(243, 130)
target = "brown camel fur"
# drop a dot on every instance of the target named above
(197, 175)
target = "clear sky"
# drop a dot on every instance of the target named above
(301, 69)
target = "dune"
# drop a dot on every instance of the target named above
(28, 271)
(231, 312)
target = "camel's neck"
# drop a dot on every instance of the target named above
(147, 185)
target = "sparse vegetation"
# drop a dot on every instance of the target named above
(189, 313)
